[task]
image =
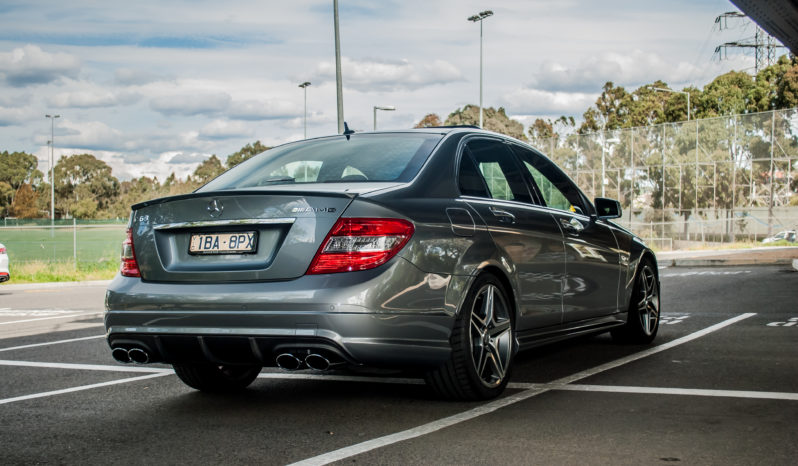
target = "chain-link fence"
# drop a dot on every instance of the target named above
(713, 180)
(78, 241)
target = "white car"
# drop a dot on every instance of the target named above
(788, 235)
(4, 275)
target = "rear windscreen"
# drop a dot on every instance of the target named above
(361, 157)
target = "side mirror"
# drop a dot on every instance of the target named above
(607, 208)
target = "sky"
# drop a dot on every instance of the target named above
(155, 87)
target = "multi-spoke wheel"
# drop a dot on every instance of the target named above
(644, 311)
(482, 345)
(213, 378)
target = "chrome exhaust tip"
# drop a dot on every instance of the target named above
(121, 355)
(138, 355)
(288, 362)
(317, 362)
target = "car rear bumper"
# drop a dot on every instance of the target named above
(369, 318)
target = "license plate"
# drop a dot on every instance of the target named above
(242, 242)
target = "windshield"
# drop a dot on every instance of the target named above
(361, 157)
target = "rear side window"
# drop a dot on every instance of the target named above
(488, 169)
(361, 157)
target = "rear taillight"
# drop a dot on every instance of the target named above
(2, 250)
(361, 244)
(130, 268)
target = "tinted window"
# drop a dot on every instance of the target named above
(554, 187)
(500, 173)
(361, 157)
(470, 180)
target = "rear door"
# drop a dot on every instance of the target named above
(490, 181)
(593, 268)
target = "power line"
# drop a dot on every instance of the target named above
(763, 44)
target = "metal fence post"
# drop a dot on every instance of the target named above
(75, 241)
(772, 141)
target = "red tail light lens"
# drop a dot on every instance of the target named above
(2, 250)
(130, 268)
(361, 244)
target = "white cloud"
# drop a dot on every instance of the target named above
(131, 77)
(31, 65)
(91, 98)
(16, 116)
(220, 129)
(368, 75)
(540, 102)
(263, 109)
(198, 103)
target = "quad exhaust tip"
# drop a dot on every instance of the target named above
(317, 362)
(132, 355)
(289, 362)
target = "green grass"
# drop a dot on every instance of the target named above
(40, 244)
(61, 271)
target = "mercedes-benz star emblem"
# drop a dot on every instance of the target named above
(215, 208)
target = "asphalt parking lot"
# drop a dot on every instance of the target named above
(718, 386)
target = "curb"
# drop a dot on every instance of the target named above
(726, 262)
(36, 286)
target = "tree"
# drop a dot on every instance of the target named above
(494, 120)
(81, 177)
(429, 121)
(209, 169)
(24, 205)
(245, 153)
(16, 169)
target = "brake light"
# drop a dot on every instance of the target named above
(130, 268)
(2, 250)
(360, 244)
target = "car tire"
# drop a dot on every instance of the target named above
(483, 343)
(213, 378)
(643, 317)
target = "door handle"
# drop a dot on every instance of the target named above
(573, 225)
(502, 215)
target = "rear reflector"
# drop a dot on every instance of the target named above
(130, 268)
(360, 244)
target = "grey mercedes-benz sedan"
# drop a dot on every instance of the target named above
(444, 250)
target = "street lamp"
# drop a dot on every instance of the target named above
(52, 172)
(339, 87)
(389, 108)
(304, 86)
(662, 89)
(478, 18)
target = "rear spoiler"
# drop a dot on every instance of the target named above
(251, 192)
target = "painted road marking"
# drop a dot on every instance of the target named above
(705, 272)
(80, 388)
(84, 314)
(6, 312)
(667, 391)
(34, 345)
(791, 322)
(673, 319)
(85, 367)
(434, 426)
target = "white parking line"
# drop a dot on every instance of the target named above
(682, 391)
(55, 317)
(48, 343)
(80, 388)
(84, 367)
(346, 452)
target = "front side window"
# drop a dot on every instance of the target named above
(554, 187)
(357, 158)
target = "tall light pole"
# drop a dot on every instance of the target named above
(478, 18)
(304, 86)
(389, 108)
(339, 89)
(52, 171)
